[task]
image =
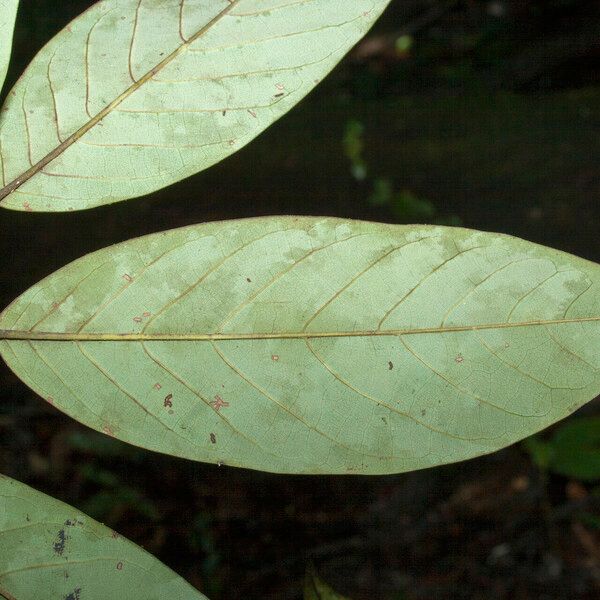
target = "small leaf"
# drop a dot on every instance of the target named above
(314, 345)
(316, 589)
(573, 450)
(137, 94)
(8, 14)
(52, 551)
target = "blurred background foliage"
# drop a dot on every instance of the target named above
(478, 113)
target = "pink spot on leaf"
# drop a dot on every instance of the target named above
(219, 403)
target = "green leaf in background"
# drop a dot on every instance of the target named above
(137, 94)
(8, 14)
(314, 345)
(572, 451)
(316, 589)
(51, 551)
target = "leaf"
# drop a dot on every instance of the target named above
(51, 550)
(8, 15)
(573, 450)
(137, 94)
(314, 345)
(316, 589)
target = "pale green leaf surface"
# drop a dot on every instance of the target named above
(314, 345)
(51, 551)
(137, 94)
(8, 14)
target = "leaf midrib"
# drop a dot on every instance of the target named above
(10, 334)
(74, 137)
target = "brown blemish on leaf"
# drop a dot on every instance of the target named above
(423, 412)
(127, 278)
(213, 438)
(119, 566)
(168, 401)
(275, 357)
(137, 319)
(219, 403)
(390, 365)
(459, 359)
(108, 430)
(157, 386)
(248, 280)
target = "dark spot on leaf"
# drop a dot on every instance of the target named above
(384, 420)
(213, 438)
(279, 95)
(119, 566)
(423, 412)
(60, 543)
(168, 401)
(248, 280)
(390, 365)
(74, 595)
(27, 518)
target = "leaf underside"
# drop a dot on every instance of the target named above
(8, 14)
(137, 94)
(52, 551)
(314, 345)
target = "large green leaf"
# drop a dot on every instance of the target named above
(314, 345)
(51, 551)
(8, 14)
(137, 94)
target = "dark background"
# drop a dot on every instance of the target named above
(486, 115)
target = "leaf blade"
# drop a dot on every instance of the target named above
(255, 343)
(190, 83)
(8, 15)
(47, 547)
